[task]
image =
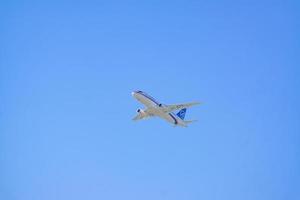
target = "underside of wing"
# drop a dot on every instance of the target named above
(142, 115)
(139, 117)
(171, 108)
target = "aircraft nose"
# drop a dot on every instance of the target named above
(132, 93)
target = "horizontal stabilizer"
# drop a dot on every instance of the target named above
(190, 121)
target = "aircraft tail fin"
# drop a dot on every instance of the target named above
(181, 113)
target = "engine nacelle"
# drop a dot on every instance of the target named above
(141, 111)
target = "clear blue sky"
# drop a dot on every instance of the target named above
(67, 69)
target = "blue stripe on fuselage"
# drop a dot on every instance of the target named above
(149, 97)
(174, 118)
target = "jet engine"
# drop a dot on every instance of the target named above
(141, 111)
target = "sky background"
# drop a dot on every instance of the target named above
(67, 70)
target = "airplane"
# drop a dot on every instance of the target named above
(154, 108)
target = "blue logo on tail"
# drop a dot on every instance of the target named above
(181, 113)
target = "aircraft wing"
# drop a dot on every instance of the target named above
(139, 117)
(171, 108)
(142, 115)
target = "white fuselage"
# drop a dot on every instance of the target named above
(155, 108)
